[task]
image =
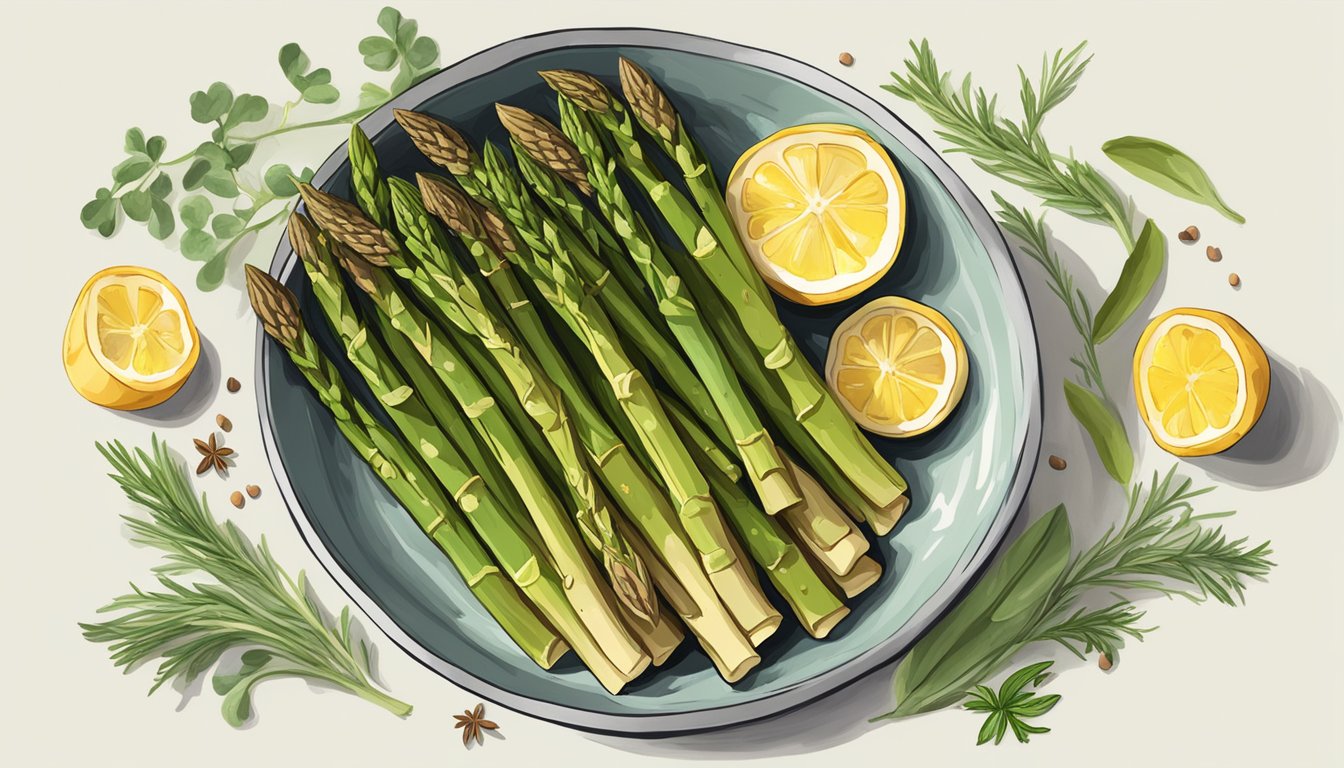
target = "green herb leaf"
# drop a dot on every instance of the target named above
(992, 729)
(136, 204)
(321, 94)
(226, 225)
(966, 645)
(135, 141)
(195, 211)
(1137, 279)
(278, 180)
(155, 146)
(252, 661)
(248, 108)
(1036, 706)
(372, 93)
(195, 174)
(98, 210)
(389, 20)
(1105, 429)
(132, 169)
(161, 221)
(211, 276)
(240, 154)
(1011, 707)
(294, 64)
(161, 186)
(198, 245)
(380, 53)
(1168, 168)
(214, 154)
(221, 183)
(211, 104)
(422, 53)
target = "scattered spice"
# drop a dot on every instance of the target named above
(213, 455)
(1189, 234)
(472, 723)
(237, 499)
(223, 422)
(233, 385)
(1105, 663)
(1057, 463)
(1214, 254)
(847, 58)
(253, 491)
(1234, 280)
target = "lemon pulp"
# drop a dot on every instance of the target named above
(820, 209)
(138, 333)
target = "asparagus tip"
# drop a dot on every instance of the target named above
(546, 144)
(579, 87)
(276, 307)
(647, 100)
(439, 141)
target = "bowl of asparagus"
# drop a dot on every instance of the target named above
(532, 405)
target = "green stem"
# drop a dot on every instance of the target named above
(348, 117)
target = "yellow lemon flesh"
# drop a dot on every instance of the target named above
(130, 342)
(1201, 381)
(897, 366)
(820, 209)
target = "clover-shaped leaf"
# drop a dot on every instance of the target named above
(226, 225)
(380, 53)
(211, 104)
(247, 108)
(198, 245)
(313, 86)
(100, 213)
(137, 204)
(195, 211)
(135, 140)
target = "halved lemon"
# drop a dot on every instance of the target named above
(130, 342)
(1201, 381)
(897, 366)
(821, 211)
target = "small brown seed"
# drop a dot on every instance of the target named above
(1057, 462)
(1104, 662)
(233, 385)
(223, 422)
(237, 499)
(253, 491)
(1214, 254)
(847, 58)
(1234, 280)
(1189, 234)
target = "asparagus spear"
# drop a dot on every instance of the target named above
(529, 565)
(588, 593)
(817, 609)
(675, 565)
(446, 148)
(367, 186)
(547, 260)
(404, 474)
(541, 140)
(811, 403)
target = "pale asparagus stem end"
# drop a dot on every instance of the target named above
(650, 105)
(884, 519)
(579, 87)
(546, 144)
(276, 307)
(438, 141)
(348, 224)
(863, 575)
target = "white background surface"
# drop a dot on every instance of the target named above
(1252, 91)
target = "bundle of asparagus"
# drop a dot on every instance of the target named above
(602, 431)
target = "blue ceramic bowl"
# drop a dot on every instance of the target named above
(967, 478)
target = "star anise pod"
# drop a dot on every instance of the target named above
(213, 455)
(472, 724)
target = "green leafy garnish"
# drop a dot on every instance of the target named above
(1012, 706)
(1104, 427)
(240, 199)
(252, 604)
(1169, 169)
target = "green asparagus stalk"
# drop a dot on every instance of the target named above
(547, 261)
(811, 403)
(367, 185)
(817, 609)
(409, 412)
(588, 593)
(538, 138)
(446, 148)
(674, 564)
(404, 475)
(828, 534)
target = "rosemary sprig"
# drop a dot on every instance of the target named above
(1016, 152)
(253, 605)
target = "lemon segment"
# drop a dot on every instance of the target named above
(897, 366)
(1200, 379)
(821, 211)
(130, 342)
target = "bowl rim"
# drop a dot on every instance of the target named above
(967, 568)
